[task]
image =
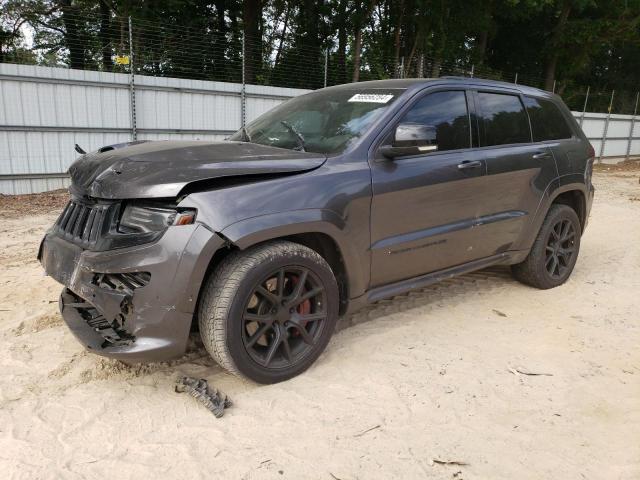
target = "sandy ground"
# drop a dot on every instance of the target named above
(425, 376)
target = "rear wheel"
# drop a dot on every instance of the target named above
(554, 252)
(267, 313)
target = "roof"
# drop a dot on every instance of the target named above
(406, 83)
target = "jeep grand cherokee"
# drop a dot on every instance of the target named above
(334, 199)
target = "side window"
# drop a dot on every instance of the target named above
(502, 119)
(547, 123)
(447, 112)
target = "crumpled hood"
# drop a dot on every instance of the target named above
(164, 168)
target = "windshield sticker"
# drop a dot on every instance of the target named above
(371, 98)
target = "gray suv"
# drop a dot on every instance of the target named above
(332, 200)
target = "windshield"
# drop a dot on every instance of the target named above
(326, 121)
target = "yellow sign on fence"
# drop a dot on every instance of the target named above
(122, 60)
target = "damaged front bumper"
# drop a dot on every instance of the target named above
(134, 304)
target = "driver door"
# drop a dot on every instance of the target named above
(425, 207)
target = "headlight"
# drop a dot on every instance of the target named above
(148, 219)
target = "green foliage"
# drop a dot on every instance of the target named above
(566, 43)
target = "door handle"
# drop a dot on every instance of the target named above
(469, 164)
(539, 155)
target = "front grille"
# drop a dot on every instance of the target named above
(82, 223)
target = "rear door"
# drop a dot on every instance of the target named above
(551, 129)
(518, 170)
(424, 207)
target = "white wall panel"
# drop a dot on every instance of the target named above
(617, 139)
(45, 111)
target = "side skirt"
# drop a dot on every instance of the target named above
(404, 286)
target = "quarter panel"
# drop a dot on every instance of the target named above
(555, 188)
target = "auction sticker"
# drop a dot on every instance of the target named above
(371, 98)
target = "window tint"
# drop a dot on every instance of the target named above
(547, 123)
(447, 112)
(502, 119)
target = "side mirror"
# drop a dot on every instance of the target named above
(412, 139)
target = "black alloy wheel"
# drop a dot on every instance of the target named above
(554, 252)
(560, 248)
(284, 317)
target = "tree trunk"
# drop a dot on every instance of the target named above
(251, 19)
(283, 35)
(554, 45)
(435, 69)
(481, 46)
(441, 32)
(357, 48)
(105, 35)
(221, 41)
(482, 40)
(72, 36)
(341, 54)
(396, 40)
(412, 54)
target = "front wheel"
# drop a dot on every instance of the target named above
(554, 252)
(267, 313)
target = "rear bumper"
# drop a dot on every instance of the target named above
(147, 316)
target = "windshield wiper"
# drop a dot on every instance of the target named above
(245, 134)
(296, 133)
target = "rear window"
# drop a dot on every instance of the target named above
(547, 122)
(503, 119)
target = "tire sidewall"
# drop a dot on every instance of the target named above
(562, 213)
(234, 325)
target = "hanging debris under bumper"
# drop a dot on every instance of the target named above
(89, 325)
(135, 304)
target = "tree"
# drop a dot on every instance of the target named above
(571, 42)
(252, 27)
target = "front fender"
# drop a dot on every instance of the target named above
(251, 231)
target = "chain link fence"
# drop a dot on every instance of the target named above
(155, 59)
(216, 52)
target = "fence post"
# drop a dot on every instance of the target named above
(633, 124)
(472, 69)
(421, 67)
(243, 90)
(553, 89)
(401, 68)
(326, 65)
(606, 128)
(584, 107)
(516, 79)
(132, 88)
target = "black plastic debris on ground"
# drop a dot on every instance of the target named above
(199, 389)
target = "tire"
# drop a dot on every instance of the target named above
(254, 318)
(539, 269)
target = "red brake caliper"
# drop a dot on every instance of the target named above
(304, 308)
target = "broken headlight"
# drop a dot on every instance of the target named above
(149, 219)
